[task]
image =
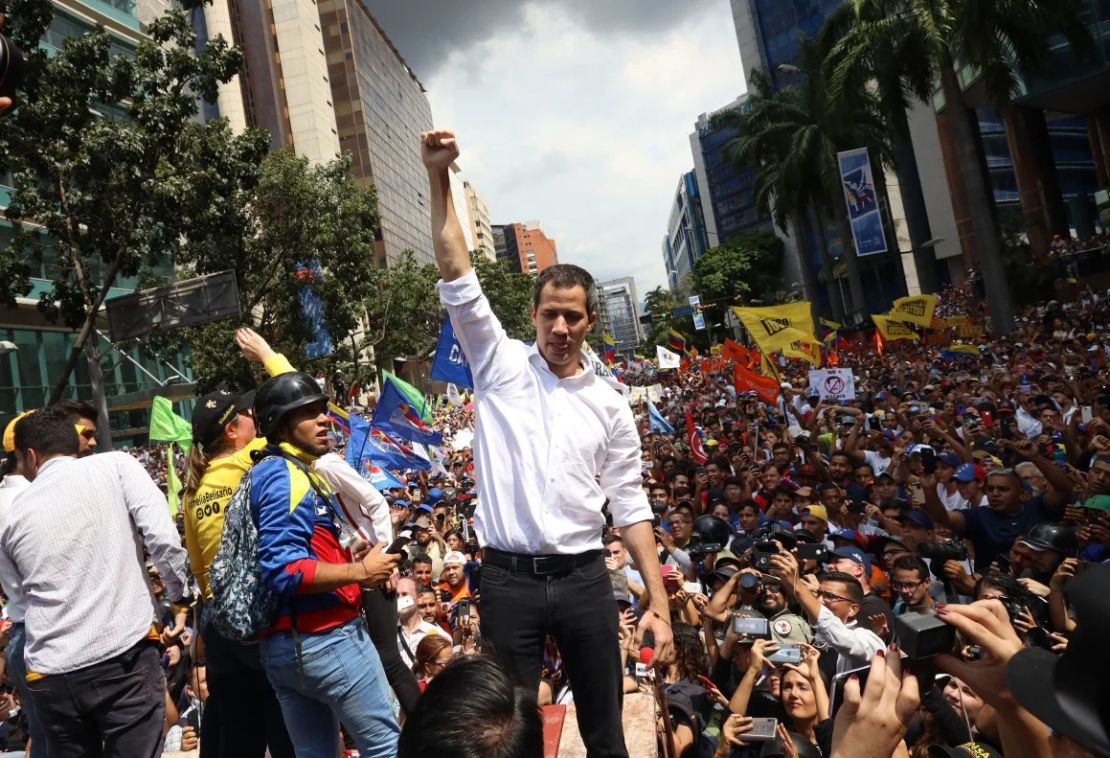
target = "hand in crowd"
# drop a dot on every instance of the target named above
(986, 624)
(871, 724)
(377, 565)
(254, 348)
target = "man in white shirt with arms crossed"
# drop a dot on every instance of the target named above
(552, 443)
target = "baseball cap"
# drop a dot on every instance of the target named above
(424, 507)
(399, 503)
(918, 518)
(851, 535)
(213, 412)
(816, 510)
(421, 521)
(1060, 690)
(969, 472)
(435, 495)
(1101, 502)
(9, 431)
(454, 556)
(853, 553)
(949, 459)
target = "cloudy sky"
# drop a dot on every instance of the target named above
(575, 113)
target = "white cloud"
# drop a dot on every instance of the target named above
(588, 133)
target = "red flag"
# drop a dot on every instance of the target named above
(767, 387)
(693, 435)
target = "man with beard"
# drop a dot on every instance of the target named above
(786, 626)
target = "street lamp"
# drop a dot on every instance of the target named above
(789, 68)
(7, 347)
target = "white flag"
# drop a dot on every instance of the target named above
(453, 395)
(667, 359)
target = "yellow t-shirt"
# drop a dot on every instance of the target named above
(204, 511)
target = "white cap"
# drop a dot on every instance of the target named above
(454, 556)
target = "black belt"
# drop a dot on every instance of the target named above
(538, 565)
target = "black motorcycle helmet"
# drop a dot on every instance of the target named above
(711, 531)
(1058, 537)
(281, 394)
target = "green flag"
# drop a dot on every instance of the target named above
(413, 396)
(173, 484)
(167, 426)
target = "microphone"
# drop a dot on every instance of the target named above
(646, 654)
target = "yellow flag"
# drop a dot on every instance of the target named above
(830, 324)
(893, 330)
(804, 350)
(777, 325)
(767, 366)
(917, 309)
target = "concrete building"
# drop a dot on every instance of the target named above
(477, 216)
(686, 239)
(524, 248)
(622, 313)
(458, 198)
(380, 107)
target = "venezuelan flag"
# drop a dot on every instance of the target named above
(339, 418)
(676, 342)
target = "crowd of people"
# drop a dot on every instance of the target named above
(915, 569)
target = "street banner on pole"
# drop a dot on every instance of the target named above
(862, 201)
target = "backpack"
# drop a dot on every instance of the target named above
(242, 605)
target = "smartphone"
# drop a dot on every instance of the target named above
(691, 588)
(1086, 414)
(836, 695)
(464, 612)
(929, 461)
(763, 730)
(474, 580)
(398, 545)
(753, 627)
(791, 654)
(917, 493)
(405, 602)
(812, 551)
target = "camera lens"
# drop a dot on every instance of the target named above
(750, 582)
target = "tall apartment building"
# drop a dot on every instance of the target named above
(622, 312)
(477, 216)
(524, 248)
(380, 108)
(686, 238)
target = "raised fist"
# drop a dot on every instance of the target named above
(438, 149)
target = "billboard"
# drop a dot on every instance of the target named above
(187, 303)
(862, 200)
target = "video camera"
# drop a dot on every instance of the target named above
(710, 535)
(765, 548)
(937, 553)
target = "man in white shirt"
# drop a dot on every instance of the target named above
(412, 627)
(70, 551)
(553, 442)
(832, 610)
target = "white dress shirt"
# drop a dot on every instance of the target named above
(10, 486)
(365, 508)
(413, 638)
(855, 645)
(72, 549)
(547, 451)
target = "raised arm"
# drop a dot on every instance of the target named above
(439, 149)
(954, 520)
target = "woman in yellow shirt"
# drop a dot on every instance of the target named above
(242, 715)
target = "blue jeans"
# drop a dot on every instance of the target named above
(339, 680)
(17, 673)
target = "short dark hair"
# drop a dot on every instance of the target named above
(853, 590)
(75, 409)
(685, 507)
(48, 432)
(733, 481)
(748, 504)
(912, 563)
(565, 276)
(422, 559)
(609, 539)
(476, 696)
(721, 462)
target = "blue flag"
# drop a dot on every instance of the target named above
(449, 364)
(656, 420)
(379, 478)
(394, 415)
(368, 444)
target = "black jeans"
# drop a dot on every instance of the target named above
(578, 610)
(381, 623)
(113, 708)
(242, 715)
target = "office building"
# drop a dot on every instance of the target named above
(622, 313)
(380, 107)
(686, 239)
(477, 216)
(524, 248)
(33, 350)
(458, 199)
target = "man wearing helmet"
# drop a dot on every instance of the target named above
(317, 652)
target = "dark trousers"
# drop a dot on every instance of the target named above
(578, 610)
(242, 715)
(381, 623)
(113, 708)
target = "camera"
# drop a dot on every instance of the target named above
(923, 635)
(12, 65)
(751, 582)
(939, 552)
(751, 627)
(764, 546)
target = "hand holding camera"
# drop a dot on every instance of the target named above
(986, 624)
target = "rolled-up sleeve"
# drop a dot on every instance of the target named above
(476, 326)
(621, 478)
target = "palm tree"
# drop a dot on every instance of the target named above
(791, 138)
(897, 65)
(997, 39)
